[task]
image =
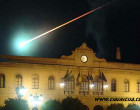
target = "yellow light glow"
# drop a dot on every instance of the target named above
(106, 86)
(91, 85)
(62, 84)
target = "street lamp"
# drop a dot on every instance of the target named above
(62, 84)
(91, 86)
(35, 101)
(21, 91)
(106, 86)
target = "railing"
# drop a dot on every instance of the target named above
(69, 92)
(98, 93)
(83, 92)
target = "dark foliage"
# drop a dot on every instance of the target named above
(15, 104)
(70, 103)
(98, 107)
(116, 107)
(52, 105)
(132, 107)
(86, 107)
(1, 108)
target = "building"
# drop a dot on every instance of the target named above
(81, 75)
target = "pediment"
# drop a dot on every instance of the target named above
(83, 49)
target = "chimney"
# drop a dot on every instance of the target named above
(118, 54)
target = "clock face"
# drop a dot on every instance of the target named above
(84, 58)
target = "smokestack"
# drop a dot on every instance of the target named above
(118, 54)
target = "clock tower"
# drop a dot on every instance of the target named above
(83, 56)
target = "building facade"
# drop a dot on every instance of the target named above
(94, 81)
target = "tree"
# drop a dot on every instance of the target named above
(116, 107)
(132, 107)
(86, 107)
(98, 107)
(70, 103)
(16, 104)
(1, 108)
(52, 105)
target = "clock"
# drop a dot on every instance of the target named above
(84, 58)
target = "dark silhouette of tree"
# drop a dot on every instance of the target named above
(70, 103)
(98, 107)
(52, 105)
(1, 108)
(67, 103)
(16, 104)
(86, 107)
(132, 107)
(116, 107)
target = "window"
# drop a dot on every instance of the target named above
(84, 87)
(18, 80)
(126, 86)
(138, 86)
(69, 85)
(98, 86)
(51, 83)
(35, 81)
(113, 85)
(2, 80)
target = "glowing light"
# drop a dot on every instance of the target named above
(31, 97)
(91, 85)
(23, 91)
(35, 100)
(17, 45)
(22, 44)
(62, 84)
(35, 103)
(106, 86)
(41, 97)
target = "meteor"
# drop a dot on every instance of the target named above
(22, 44)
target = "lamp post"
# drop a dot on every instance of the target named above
(62, 84)
(91, 85)
(35, 101)
(21, 91)
(106, 86)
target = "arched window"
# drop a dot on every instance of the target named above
(113, 85)
(138, 86)
(35, 81)
(84, 87)
(51, 83)
(2, 80)
(18, 80)
(126, 86)
(98, 86)
(69, 85)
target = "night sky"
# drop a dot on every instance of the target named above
(115, 25)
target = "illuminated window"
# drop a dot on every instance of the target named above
(126, 86)
(84, 87)
(69, 85)
(51, 83)
(18, 80)
(2, 80)
(35, 81)
(98, 86)
(138, 86)
(113, 85)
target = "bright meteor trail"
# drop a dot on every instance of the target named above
(22, 44)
